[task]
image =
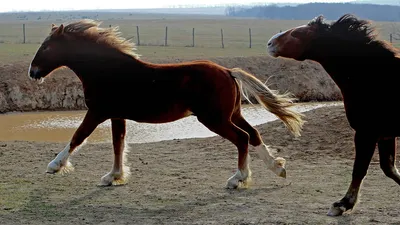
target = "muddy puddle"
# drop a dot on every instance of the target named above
(59, 126)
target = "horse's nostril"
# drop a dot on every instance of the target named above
(269, 43)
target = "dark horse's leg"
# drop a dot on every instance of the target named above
(88, 125)
(387, 158)
(365, 146)
(277, 165)
(119, 172)
(239, 138)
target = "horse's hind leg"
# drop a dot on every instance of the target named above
(119, 172)
(88, 125)
(387, 158)
(276, 165)
(240, 139)
(365, 146)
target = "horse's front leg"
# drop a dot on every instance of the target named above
(365, 147)
(61, 163)
(119, 172)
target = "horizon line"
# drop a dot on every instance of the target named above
(189, 6)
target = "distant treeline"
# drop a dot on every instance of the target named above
(331, 11)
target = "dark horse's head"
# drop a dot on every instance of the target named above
(348, 36)
(49, 55)
(75, 44)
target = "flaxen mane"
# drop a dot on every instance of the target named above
(350, 28)
(89, 29)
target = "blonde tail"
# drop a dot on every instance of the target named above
(274, 102)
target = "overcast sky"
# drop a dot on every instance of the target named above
(36, 5)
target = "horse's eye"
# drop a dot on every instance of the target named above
(45, 48)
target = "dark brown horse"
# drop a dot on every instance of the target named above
(115, 81)
(365, 70)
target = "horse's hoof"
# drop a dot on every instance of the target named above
(280, 162)
(112, 180)
(281, 172)
(232, 184)
(59, 167)
(236, 184)
(336, 210)
(246, 183)
(279, 167)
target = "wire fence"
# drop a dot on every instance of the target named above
(162, 36)
(150, 36)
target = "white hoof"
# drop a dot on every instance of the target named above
(279, 167)
(232, 184)
(239, 179)
(56, 166)
(113, 179)
(336, 211)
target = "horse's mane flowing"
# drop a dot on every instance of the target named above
(350, 28)
(90, 30)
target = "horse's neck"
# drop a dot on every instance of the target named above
(345, 61)
(360, 70)
(88, 66)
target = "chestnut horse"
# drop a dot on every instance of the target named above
(364, 68)
(114, 80)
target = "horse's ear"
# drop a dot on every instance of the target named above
(53, 27)
(57, 31)
(302, 32)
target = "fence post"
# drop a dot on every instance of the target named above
(109, 25)
(222, 38)
(23, 31)
(250, 37)
(391, 38)
(193, 37)
(166, 36)
(138, 37)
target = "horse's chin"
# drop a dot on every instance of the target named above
(38, 78)
(294, 58)
(41, 75)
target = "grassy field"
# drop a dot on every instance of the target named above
(152, 28)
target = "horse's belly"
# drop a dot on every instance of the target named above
(381, 120)
(159, 116)
(141, 111)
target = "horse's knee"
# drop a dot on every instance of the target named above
(255, 139)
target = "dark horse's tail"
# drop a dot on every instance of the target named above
(274, 102)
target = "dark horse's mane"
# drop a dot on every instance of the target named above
(350, 28)
(90, 30)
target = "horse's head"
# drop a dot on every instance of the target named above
(49, 56)
(346, 37)
(292, 43)
(76, 43)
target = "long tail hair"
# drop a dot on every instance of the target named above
(274, 102)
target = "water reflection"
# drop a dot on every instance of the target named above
(60, 126)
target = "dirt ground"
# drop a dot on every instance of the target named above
(183, 182)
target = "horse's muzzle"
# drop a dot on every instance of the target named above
(34, 72)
